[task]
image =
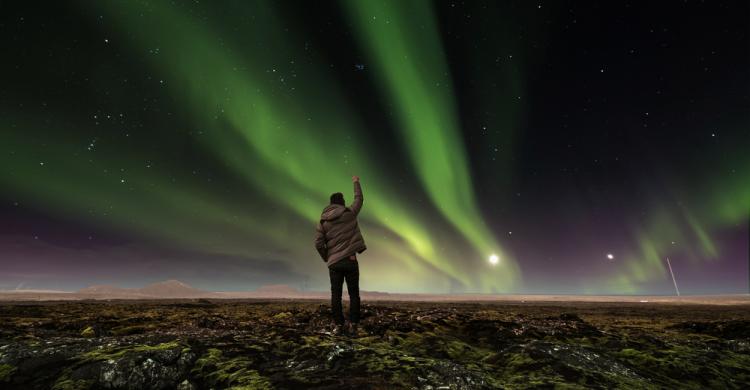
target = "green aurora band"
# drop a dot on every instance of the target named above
(275, 138)
(683, 231)
(270, 123)
(412, 67)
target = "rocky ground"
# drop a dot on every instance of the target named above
(201, 344)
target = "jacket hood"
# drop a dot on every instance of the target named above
(332, 211)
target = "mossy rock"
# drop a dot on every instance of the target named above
(638, 358)
(131, 330)
(116, 353)
(88, 332)
(232, 373)
(6, 372)
(70, 384)
(283, 316)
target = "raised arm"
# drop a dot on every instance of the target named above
(358, 199)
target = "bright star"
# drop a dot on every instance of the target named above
(610, 256)
(494, 259)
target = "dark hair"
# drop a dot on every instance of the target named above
(337, 198)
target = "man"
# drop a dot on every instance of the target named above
(338, 240)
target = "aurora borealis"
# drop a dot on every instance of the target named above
(142, 141)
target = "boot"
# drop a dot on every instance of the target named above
(339, 330)
(354, 329)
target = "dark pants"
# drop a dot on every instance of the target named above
(345, 269)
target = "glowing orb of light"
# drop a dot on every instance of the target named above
(494, 259)
(610, 256)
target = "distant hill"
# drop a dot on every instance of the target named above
(105, 289)
(166, 289)
(172, 289)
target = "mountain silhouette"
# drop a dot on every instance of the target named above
(171, 289)
(166, 289)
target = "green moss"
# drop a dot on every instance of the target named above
(235, 373)
(465, 352)
(88, 332)
(211, 357)
(132, 329)
(397, 366)
(282, 316)
(69, 384)
(316, 341)
(106, 354)
(285, 346)
(565, 386)
(637, 357)
(666, 364)
(520, 360)
(6, 372)
(34, 342)
(735, 361)
(521, 370)
(736, 366)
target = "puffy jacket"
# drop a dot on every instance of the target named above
(337, 234)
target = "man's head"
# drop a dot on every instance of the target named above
(337, 198)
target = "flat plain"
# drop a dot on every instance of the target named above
(287, 344)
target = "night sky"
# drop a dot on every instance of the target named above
(580, 143)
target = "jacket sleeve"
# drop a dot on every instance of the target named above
(358, 199)
(320, 242)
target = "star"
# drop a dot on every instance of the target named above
(610, 256)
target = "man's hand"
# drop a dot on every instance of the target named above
(355, 179)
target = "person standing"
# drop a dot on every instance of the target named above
(338, 241)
